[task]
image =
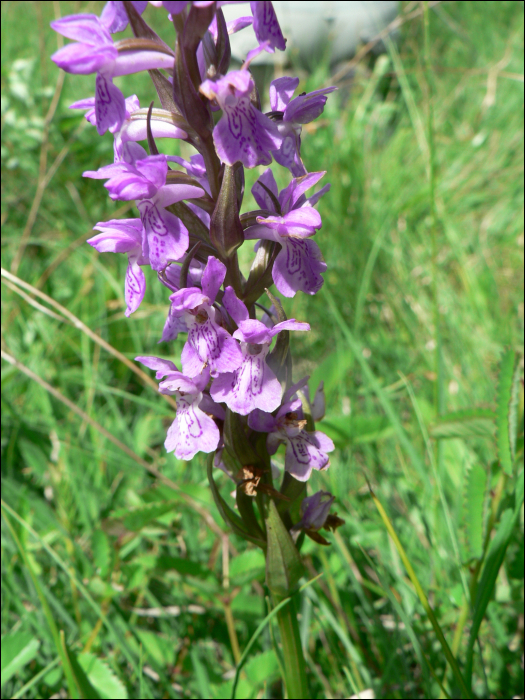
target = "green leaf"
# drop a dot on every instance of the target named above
(514, 411)
(102, 678)
(18, 649)
(505, 393)
(160, 648)
(186, 567)
(493, 562)
(262, 668)
(284, 567)
(83, 684)
(246, 566)
(474, 500)
(135, 519)
(101, 551)
(464, 424)
(359, 429)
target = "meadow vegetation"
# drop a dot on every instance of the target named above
(117, 583)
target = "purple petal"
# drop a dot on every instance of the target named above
(117, 236)
(312, 201)
(114, 15)
(129, 62)
(177, 382)
(306, 108)
(166, 237)
(303, 454)
(212, 278)
(245, 134)
(187, 299)
(214, 345)
(260, 195)
(290, 325)
(298, 267)
(83, 59)
(234, 306)
(169, 194)
(163, 367)
(174, 7)
(259, 231)
(293, 390)
(192, 365)
(135, 285)
(324, 442)
(266, 26)
(315, 510)
(209, 406)
(281, 92)
(297, 187)
(192, 430)
(252, 386)
(253, 331)
(154, 169)
(261, 421)
(319, 403)
(85, 28)
(136, 130)
(110, 106)
(173, 326)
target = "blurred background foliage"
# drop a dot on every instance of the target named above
(115, 584)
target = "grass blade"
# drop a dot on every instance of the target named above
(502, 411)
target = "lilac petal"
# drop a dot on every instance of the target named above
(305, 217)
(135, 285)
(236, 25)
(114, 15)
(192, 365)
(187, 299)
(324, 442)
(88, 103)
(166, 237)
(261, 421)
(212, 278)
(85, 28)
(306, 108)
(173, 326)
(178, 382)
(298, 267)
(110, 106)
(117, 236)
(209, 406)
(174, 7)
(83, 59)
(293, 390)
(253, 331)
(290, 325)
(281, 92)
(297, 187)
(303, 454)
(129, 62)
(273, 441)
(215, 346)
(245, 134)
(169, 194)
(312, 201)
(234, 306)
(252, 386)
(266, 25)
(154, 169)
(136, 130)
(315, 510)
(260, 195)
(192, 430)
(259, 231)
(163, 367)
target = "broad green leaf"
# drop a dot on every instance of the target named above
(102, 678)
(160, 648)
(101, 551)
(247, 565)
(284, 567)
(464, 424)
(502, 411)
(84, 687)
(474, 500)
(18, 649)
(262, 667)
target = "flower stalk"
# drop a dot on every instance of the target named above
(236, 394)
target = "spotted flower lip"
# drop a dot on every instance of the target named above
(291, 115)
(253, 384)
(125, 236)
(243, 133)
(193, 430)
(299, 264)
(165, 236)
(209, 344)
(305, 450)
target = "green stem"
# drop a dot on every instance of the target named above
(294, 663)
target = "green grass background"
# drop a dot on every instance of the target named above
(107, 570)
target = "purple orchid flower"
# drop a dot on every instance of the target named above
(243, 133)
(166, 237)
(299, 264)
(266, 26)
(314, 511)
(115, 17)
(93, 51)
(253, 385)
(291, 115)
(193, 430)
(304, 450)
(125, 236)
(209, 344)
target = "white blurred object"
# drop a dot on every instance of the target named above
(311, 27)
